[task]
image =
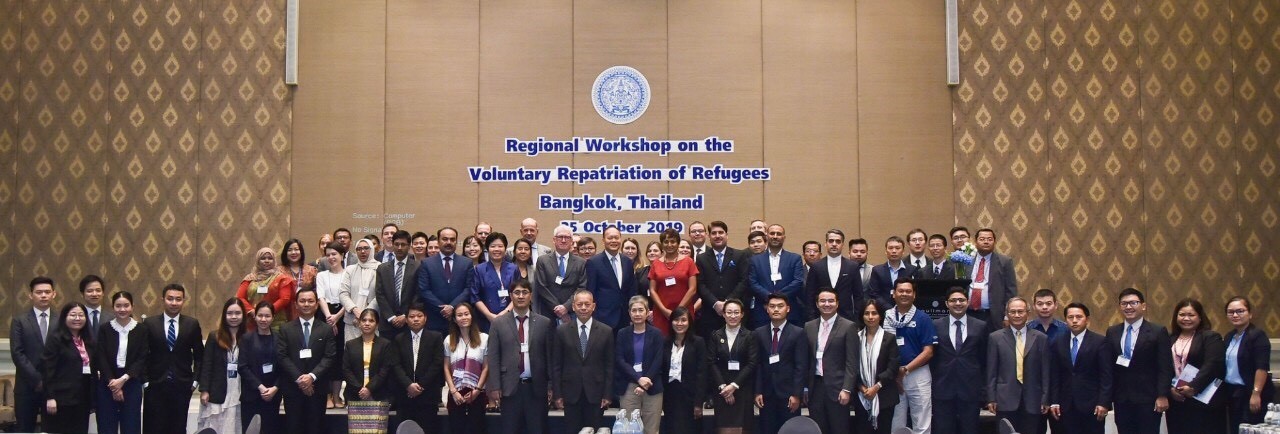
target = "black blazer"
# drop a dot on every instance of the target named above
(791, 374)
(1254, 354)
(573, 375)
(848, 287)
(430, 370)
(1085, 385)
(213, 372)
(288, 352)
(693, 365)
(1151, 369)
(720, 284)
(653, 366)
(384, 288)
(382, 361)
(183, 362)
(948, 270)
(882, 284)
(135, 357)
(255, 351)
(886, 371)
(959, 374)
(642, 281)
(28, 349)
(1208, 353)
(744, 352)
(63, 373)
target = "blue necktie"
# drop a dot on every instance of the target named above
(561, 265)
(1075, 347)
(719, 261)
(959, 334)
(172, 336)
(1128, 343)
(306, 334)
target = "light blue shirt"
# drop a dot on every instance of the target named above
(1233, 365)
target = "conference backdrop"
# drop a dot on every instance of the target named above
(1112, 144)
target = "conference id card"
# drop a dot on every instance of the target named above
(638, 367)
(774, 359)
(559, 280)
(903, 341)
(84, 369)
(524, 348)
(776, 277)
(304, 353)
(502, 293)
(1122, 361)
(819, 356)
(670, 281)
(267, 368)
(364, 292)
(262, 289)
(733, 365)
(232, 370)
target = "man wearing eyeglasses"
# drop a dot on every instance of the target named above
(1142, 370)
(558, 276)
(957, 367)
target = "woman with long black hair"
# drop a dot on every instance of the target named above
(68, 372)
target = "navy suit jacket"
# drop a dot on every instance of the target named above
(484, 286)
(958, 374)
(848, 286)
(792, 373)
(434, 290)
(1150, 371)
(611, 300)
(1087, 383)
(948, 270)
(653, 366)
(882, 281)
(791, 267)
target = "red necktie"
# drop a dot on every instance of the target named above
(520, 337)
(981, 278)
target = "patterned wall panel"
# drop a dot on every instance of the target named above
(148, 142)
(1160, 154)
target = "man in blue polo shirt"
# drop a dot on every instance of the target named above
(1046, 302)
(916, 338)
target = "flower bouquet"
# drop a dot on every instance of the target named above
(963, 258)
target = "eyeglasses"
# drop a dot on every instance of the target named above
(362, 249)
(957, 300)
(563, 237)
(1237, 311)
(1130, 303)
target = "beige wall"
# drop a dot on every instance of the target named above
(836, 97)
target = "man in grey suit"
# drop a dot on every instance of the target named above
(518, 351)
(395, 286)
(27, 334)
(1018, 370)
(833, 339)
(994, 281)
(582, 358)
(558, 276)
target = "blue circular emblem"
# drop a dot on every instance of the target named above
(620, 94)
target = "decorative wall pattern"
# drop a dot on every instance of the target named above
(149, 143)
(1122, 144)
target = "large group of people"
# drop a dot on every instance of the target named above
(683, 325)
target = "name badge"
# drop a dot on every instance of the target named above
(84, 369)
(262, 289)
(733, 365)
(559, 280)
(524, 348)
(819, 356)
(502, 293)
(776, 277)
(902, 341)
(671, 281)
(232, 370)
(982, 285)
(638, 367)
(267, 368)
(1122, 361)
(364, 292)
(304, 354)
(774, 359)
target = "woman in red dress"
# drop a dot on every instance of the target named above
(673, 281)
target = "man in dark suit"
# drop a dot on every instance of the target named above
(938, 267)
(723, 273)
(957, 365)
(994, 281)
(883, 275)
(582, 358)
(388, 251)
(518, 352)
(93, 291)
(611, 279)
(342, 236)
(835, 271)
(1018, 370)
(776, 271)
(394, 286)
(557, 277)
(917, 257)
(419, 371)
(27, 334)
(784, 367)
(858, 253)
(833, 341)
(1081, 375)
(175, 355)
(442, 280)
(306, 351)
(1143, 367)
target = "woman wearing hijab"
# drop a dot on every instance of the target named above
(266, 282)
(357, 287)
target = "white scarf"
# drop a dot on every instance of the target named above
(124, 329)
(892, 321)
(868, 366)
